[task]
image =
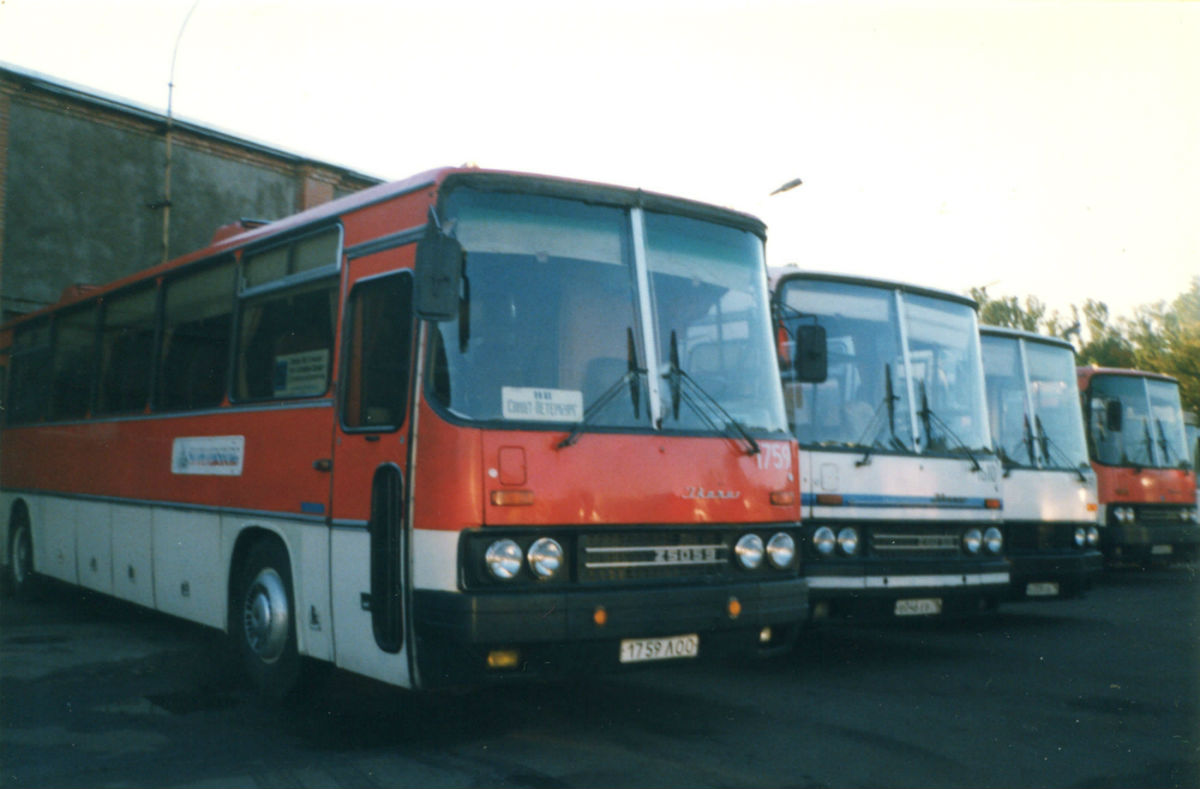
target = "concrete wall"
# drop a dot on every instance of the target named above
(82, 184)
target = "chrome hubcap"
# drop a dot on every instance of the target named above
(265, 616)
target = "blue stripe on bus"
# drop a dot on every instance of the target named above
(885, 501)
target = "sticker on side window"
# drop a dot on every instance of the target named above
(542, 405)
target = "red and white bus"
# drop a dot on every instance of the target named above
(471, 424)
(1138, 449)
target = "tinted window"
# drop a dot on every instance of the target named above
(379, 346)
(197, 312)
(126, 351)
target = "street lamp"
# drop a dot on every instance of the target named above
(792, 184)
(166, 201)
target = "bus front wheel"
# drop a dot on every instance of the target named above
(262, 620)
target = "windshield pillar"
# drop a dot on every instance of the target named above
(1030, 406)
(646, 316)
(902, 321)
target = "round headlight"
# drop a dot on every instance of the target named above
(545, 557)
(823, 540)
(993, 540)
(749, 550)
(972, 540)
(1093, 536)
(1080, 536)
(848, 540)
(781, 549)
(503, 559)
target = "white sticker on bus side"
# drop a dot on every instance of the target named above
(542, 405)
(214, 455)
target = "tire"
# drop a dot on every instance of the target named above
(262, 620)
(20, 580)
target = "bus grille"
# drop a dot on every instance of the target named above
(1160, 516)
(915, 544)
(653, 555)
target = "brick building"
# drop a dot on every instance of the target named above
(83, 187)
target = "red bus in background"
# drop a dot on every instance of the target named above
(472, 424)
(1138, 449)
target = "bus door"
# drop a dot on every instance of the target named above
(369, 537)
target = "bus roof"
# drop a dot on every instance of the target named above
(1086, 373)
(780, 274)
(1021, 334)
(233, 236)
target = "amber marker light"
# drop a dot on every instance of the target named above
(734, 607)
(830, 499)
(992, 504)
(600, 616)
(783, 498)
(512, 498)
(1093, 506)
(503, 659)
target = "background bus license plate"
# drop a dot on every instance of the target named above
(1162, 550)
(638, 650)
(925, 606)
(1041, 589)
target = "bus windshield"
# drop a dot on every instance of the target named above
(551, 323)
(1047, 432)
(866, 401)
(1148, 432)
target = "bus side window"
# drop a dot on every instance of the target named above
(126, 350)
(379, 344)
(74, 352)
(285, 345)
(30, 378)
(197, 311)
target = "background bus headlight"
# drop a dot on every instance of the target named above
(823, 540)
(503, 559)
(848, 540)
(545, 557)
(1080, 537)
(1093, 536)
(1123, 515)
(972, 540)
(781, 549)
(749, 550)
(993, 540)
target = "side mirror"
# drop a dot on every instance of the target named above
(1113, 415)
(811, 357)
(438, 273)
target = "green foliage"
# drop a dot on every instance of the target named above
(1160, 337)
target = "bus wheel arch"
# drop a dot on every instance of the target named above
(20, 579)
(262, 613)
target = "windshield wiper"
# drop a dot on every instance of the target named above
(1163, 443)
(889, 401)
(631, 377)
(929, 418)
(685, 389)
(1049, 446)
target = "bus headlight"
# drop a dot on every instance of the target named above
(503, 559)
(781, 549)
(848, 540)
(749, 550)
(1093, 536)
(993, 540)
(1123, 515)
(823, 540)
(545, 557)
(972, 540)
(1080, 537)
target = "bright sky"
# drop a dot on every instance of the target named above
(1037, 148)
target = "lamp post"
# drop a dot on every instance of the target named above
(166, 201)
(792, 184)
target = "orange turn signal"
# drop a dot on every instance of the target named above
(734, 608)
(512, 498)
(830, 499)
(992, 504)
(783, 498)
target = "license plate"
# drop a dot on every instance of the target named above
(925, 606)
(1162, 550)
(1041, 589)
(640, 650)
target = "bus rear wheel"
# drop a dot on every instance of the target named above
(262, 620)
(21, 580)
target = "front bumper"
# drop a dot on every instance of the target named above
(1162, 542)
(870, 589)
(1054, 575)
(556, 632)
